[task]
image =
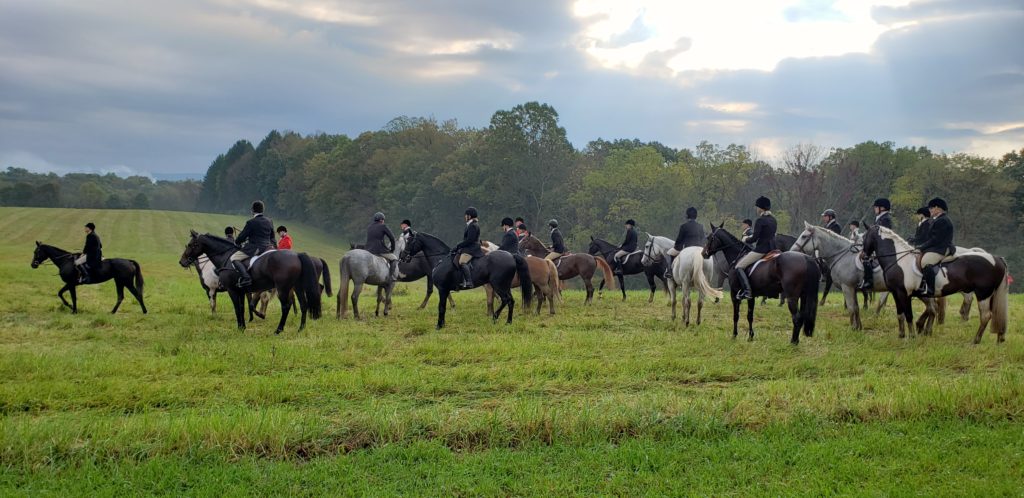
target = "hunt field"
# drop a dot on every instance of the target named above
(611, 399)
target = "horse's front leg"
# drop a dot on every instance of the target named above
(61, 292)
(284, 296)
(74, 300)
(750, 318)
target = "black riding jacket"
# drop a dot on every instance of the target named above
(509, 242)
(885, 220)
(257, 235)
(691, 234)
(471, 240)
(630, 243)
(557, 244)
(763, 237)
(921, 234)
(375, 235)
(940, 236)
(834, 226)
(93, 250)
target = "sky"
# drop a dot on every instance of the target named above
(159, 87)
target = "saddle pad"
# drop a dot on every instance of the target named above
(767, 257)
(252, 260)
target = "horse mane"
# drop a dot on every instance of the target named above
(433, 238)
(838, 237)
(901, 245)
(55, 248)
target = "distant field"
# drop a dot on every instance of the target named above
(607, 399)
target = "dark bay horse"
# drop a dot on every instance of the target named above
(572, 265)
(497, 269)
(414, 269)
(126, 273)
(283, 271)
(794, 274)
(632, 265)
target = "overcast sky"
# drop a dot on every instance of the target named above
(164, 86)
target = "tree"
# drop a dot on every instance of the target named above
(140, 201)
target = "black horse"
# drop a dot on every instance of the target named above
(794, 274)
(632, 265)
(127, 274)
(283, 271)
(496, 268)
(414, 269)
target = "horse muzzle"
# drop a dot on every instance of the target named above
(35, 264)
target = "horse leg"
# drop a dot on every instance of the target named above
(600, 289)
(60, 294)
(430, 290)
(984, 315)
(380, 297)
(687, 305)
(700, 306)
(735, 317)
(120, 295)
(750, 318)
(387, 298)
(965, 308)
(490, 299)
(672, 295)
(356, 289)
(74, 300)
(940, 303)
(284, 297)
(881, 303)
(850, 301)
(652, 285)
(442, 305)
(212, 293)
(590, 290)
(622, 285)
(511, 304)
(828, 287)
(798, 319)
(236, 301)
(138, 297)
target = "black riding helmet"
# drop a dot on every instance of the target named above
(378, 216)
(91, 226)
(471, 212)
(939, 203)
(923, 211)
(691, 213)
(883, 203)
(763, 203)
(553, 223)
(507, 222)
(258, 207)
(631, 222)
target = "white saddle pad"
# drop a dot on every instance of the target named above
(258, 256)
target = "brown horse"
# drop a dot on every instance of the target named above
(544, 276)
(572, 265)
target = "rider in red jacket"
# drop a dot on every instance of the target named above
(284, 240)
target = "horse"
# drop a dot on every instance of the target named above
(794, 274)
(723, 269)
(632, 264)
(497, 269)
(969, 271)
(841, 259)
(282, 270)
(544, 278)
(572, 265)
(322, 270)
(413, 270)
(689, 269)
(126, 273)
(363, 267)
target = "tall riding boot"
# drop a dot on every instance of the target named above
(668, 267)
(467, 277)
(393, 270)
(83, 274)
(928, 281)
(616, 266)
(744, 293)
(244, 280)
(869, 275)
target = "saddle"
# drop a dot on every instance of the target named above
(764, 259)
(253, 259)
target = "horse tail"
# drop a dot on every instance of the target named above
(346, 275)
(327, 277)
(525, 284)
(700, 280)
(553, 280)
(309, 285)
(139, 281)
(809, 299)
(999, 305)
(606, 272)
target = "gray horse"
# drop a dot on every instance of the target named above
(363, 267)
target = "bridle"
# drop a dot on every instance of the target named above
(738, 243)
(826, 259)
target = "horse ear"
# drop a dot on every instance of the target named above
(591, 238)
(807, 225)
(38, 244)
(721, 225)
(194, 233)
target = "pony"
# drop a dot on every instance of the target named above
(363, 267)
(282, 270)
(126, 273)
(632, 264)
(970, 270)
(689, 269)
(497, 269)
(572, 265)
(794, 274)
(544, 278)
(413, 270)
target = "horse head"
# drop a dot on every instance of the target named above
(717, 240)
(413, 245)
(39, 255)
(193, 248)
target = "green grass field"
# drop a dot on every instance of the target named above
(611, 399)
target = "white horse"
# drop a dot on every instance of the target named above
(362, 267)
(689, 269)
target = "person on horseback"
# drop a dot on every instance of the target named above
(256, 236)
(763, 239)
(855, 234)
(828, 217)
(406, 227)
(509, 240)
(92, 254)
(521, 230)
(557, 244)
(628, 247)
(375, 235)
(882, 218)
(284, 240)
(924, 223)
(746, 228)
(229, 233)
(690, 234)
(937, 246)
(469, 248)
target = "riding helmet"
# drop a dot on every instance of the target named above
(691, 213)
(553, 223)
(924, 212)
(748, 222)
(507, 222)
(939, 203)
(631, 222)
(471, 212)
(90, 226)
(829, 212)
(229, 230)
(281, 228)
(257, 207)
(378, 216)
(883, 203)
(406, 223)
(763, 203)
(519, 219)
(855, 223)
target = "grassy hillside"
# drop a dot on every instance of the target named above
(607, 399)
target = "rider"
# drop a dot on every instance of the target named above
(284, 240)
(406, 227)
(829, 219)
(937, 246)
(375, 235)
(855, 234)
(557, 244)
(763, 238)
(229, 233)
(521, 230)
(92, 254)
(924, 223)
(627, 247)
(690, 234)
(882, 218)
(746, 228)
(509, 240)
(469, 248)
(256, 236)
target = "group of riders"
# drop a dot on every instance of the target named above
(933, 238)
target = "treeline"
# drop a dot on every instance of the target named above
(20, 187)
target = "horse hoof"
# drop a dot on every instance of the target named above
(278, 331)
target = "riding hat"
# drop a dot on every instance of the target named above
(378, 216)
(855, 223)
(90, 226)
(829, 212)
(471, 212)
(924, 212)
(748, 222)
(257, 207)
(553, 223)
(763, 203)
(883, 203)
(507, 222)
(520, 218)
(631, 222)
(406, 223)
(281, 228)
(229, 230)
(691, 213)
(939, 203)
